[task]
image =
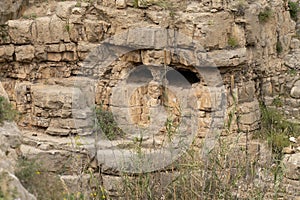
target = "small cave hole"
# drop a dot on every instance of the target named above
(182, 77)
(140, 75)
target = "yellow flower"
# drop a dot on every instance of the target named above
(38, 172)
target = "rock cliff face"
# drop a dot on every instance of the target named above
(10, 141)
(50, 59)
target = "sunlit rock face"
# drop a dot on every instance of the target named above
(12, 9)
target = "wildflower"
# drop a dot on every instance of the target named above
(38, 172)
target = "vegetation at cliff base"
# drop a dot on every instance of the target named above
(7, 113)
(276, 129)
(107, 124)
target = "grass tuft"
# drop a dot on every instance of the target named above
(7, 113)
(265, 15)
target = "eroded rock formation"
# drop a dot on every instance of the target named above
(46, 55)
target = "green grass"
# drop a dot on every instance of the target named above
(30, 16)
(276, 130)
(277, 102)
(7, 113)
(265, 15)
(279, 47)
(294, 9)
(39, 181)
(107, 124)
(232, 42)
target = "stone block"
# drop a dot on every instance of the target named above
(95, 30)
(141, 38)
(25, 53)
(246, 92)
(63, 9)
(51, 30)
(121, 4)
(56, 57)
(295, 92)
(57, 131)
(21, 31)
(6, 53)
(292, 163)
(228, 58)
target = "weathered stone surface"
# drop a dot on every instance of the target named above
(3, 92)
(225, 35)
(58, 131)
(11, 188)
(52, 96)
(11, 9)
(10, 141)
(22, 32)
(95, 30)
(295, 91)
(24, 53)
(292, 163)
(6, 53)
(63, 9)
(51, 30)
(246, 93)
(227, 58)
(121, 3)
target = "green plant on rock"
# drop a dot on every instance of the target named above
(232, 42)
(279, 47)
(38, 180)
(240, 8)
(294, 9)
(107, 124)
(30, 16)
(265, 15)
(276, 129)
(7, 113)
(78, 4)
(292, 72)
(277, 101)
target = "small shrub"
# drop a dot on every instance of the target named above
(107, 124)
(265, 15)
(294, 9)
(232, 42)
(7, 113)
(78, 4)
(279, 47)
(38, 181)
(277, 102)
(67, 27)
(292, 72)
(30, 16)
(240, 8)
(276, 129)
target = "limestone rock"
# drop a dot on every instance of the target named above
(295, 92)
(21, 31)
(121, 3)
(11, 188)
(292, 163)
(6, 53)
(57, 131)
(11, 9)
(24, 53)
(227, 58)
(288, 150)
(63, 9)
(51, 30)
